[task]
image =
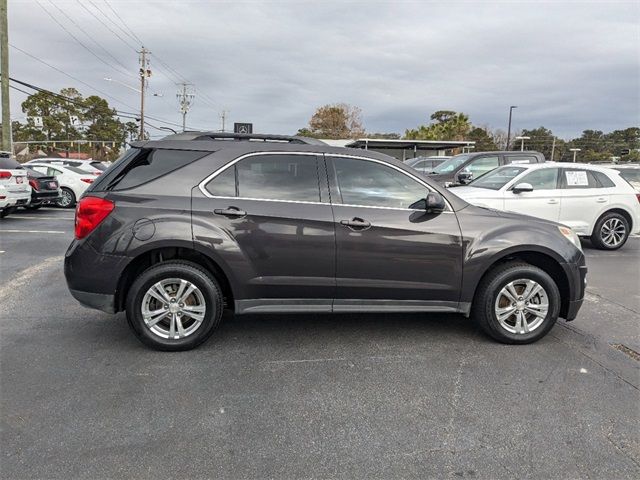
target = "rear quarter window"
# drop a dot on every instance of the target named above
(139, 166)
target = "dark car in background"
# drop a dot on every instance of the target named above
(463, 168)
(44, 189)
(181, 228)
(425, 164)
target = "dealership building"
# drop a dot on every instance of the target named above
(405, 149)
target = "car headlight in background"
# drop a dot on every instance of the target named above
(571, 236)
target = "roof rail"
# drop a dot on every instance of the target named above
(243, 136)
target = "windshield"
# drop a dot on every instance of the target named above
(451, 164)
(498, 178)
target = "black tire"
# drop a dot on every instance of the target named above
(598, 237)
(483, 308)
(71, 198)
(191, 272)
(4, 212)
(33, 207)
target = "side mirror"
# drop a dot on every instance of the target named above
(522, 187)
(464, 177)
(435, 202)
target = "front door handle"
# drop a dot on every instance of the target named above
(553, 201)
(356, 223)
(230, 212)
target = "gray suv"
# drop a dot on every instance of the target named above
(179, 229)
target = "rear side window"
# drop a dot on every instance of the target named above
(575, 179)
(603, 180)
(520, 159)
(140, 166)
(270, 177)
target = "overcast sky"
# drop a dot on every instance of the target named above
(568, 66)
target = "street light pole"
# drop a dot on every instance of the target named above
(575, 151)
(509, 129)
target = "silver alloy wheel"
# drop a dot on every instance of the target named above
(173, 308)
(613, 232)
(521, 306)
(65, 199)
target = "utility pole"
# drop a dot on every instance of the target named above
(553, 147)
(145, 72)
(4, 65)
(509, 129)
(185, 98)
(223, 117)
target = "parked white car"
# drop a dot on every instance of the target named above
(91, 166)
(15, 185)
(72, 180)
(594, 201)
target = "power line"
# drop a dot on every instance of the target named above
(74, 37)
(132, 33)
(105, 25)
(125, 68)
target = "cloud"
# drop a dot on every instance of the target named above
(568, 65)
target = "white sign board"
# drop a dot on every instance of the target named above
(576, 178)
(37, 122)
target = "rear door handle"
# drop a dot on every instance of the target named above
(356, 223)
(553, 201)
(230, 212)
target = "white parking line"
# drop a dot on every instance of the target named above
(32, 231)
(41, 218)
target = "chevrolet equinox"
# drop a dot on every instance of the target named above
(179, 229)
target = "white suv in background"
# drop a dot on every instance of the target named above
(16, 188)
(596, 202)
(72, 180)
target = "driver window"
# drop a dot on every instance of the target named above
(544, 179)
(372, 184)
(482, 165)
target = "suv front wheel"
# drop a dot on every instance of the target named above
(174, 305)
(516, 303)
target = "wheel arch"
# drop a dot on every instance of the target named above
(161, 254)
(620, 211)
(545, 261)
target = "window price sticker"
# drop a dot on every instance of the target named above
(578, 179)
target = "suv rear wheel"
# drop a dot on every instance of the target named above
(174, 305)
(516, 303)
(610, 232)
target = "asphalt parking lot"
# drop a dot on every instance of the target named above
(292, 396)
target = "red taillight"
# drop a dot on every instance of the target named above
(89, 213)
(5, 174)
(34, 184)
(87, 180)
(638, 197)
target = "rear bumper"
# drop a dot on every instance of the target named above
(92, 278)
(45, 196)
(98, 301)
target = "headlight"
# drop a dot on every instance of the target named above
(571, 236)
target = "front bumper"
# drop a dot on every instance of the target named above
(577, 275)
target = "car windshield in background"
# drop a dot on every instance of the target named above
(451, 164)
(631, 175)
(99, 165)
(9, 163)
(497, 178)
(76, 169)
